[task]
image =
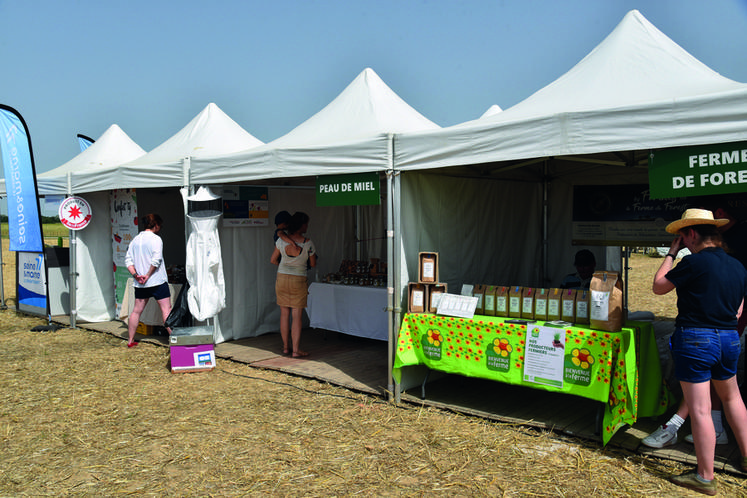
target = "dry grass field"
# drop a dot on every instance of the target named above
(83, 415)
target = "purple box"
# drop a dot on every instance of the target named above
(192, 358)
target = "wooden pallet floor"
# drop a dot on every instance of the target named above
(360, 364)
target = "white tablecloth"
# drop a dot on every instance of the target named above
(152, 313)
(350, 309)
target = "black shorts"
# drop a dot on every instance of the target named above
(158, 292)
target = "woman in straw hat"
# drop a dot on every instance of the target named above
(711, 286)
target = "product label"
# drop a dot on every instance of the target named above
(553, 307)
(514, 305)
(500, 305)
(417, 298)
(600, 305)
(582, 309)
(540, 307)
(429, 270)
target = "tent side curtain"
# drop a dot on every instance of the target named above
(485, 231)
(95, 298)
(711, 118)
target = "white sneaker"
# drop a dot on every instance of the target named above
(721, 438)
(661, 437)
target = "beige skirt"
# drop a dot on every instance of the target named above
(291, 290)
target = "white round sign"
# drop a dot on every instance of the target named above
(75, 213)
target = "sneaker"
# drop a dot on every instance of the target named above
(721, 438)
(691, 481)
(661, 437)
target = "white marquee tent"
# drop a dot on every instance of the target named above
(95, 172)
(636, 91)
(93, 169)
(351, 134)
(493, 196)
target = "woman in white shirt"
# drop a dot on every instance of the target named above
(144, 261)
(291, 286)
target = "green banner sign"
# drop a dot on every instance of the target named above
(701, 170)
(360, 189)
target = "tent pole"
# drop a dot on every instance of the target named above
(73, 286)
(543, 270)
(189, 188)
(626, 267)
(390, 287)
(358, 234)
(397, 258)
(392, 385)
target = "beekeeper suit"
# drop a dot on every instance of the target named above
(207, 291)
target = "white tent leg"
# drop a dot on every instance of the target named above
(391, 385)
(73, 285)
(397, 268)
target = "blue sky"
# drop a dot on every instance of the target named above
(79, 66)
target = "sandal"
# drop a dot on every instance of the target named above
(286, 352)
(132, 344)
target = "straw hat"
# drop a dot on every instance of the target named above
(695, 217)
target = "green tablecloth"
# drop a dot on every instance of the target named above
(603, 366)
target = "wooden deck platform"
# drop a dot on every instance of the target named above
(360, 364)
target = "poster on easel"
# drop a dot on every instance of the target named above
(124, 222)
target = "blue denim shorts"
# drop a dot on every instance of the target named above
(703, 354)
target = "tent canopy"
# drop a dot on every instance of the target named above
(366, 107)
(636, 90)
(211, 132)
(94, 168)
(492, 111)
(350, 134)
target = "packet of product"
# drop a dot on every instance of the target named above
(568, 306)
(417, 298)
(514, 302)
(606, 304)
(501, 301)
(479, 293)
(582, 306)
(490, 300)
(527, 303)
(553, 304)
(540, 304)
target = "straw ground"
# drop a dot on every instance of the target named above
(81, 414)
